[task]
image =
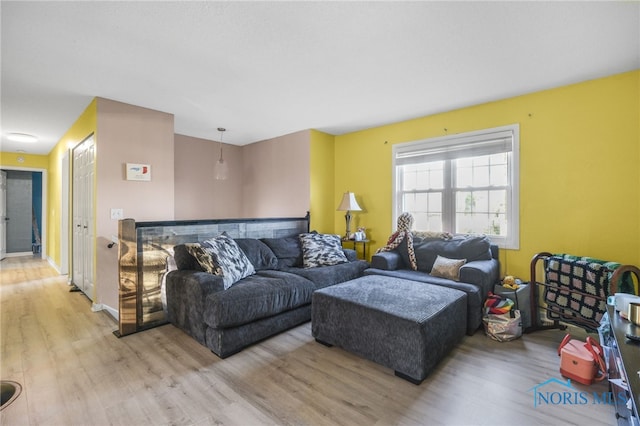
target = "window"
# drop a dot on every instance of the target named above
(464, 184)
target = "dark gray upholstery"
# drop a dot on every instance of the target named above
(228, 341)
(186, 294)
(265, 294)
(459, 247)
(475, 296)
(258, 253)
(477, 276)
(401, 324)
(323, 276)
(288, 250)
(277, 297)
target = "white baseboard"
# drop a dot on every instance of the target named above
(19, 254)
(54, 265)
(102, 307)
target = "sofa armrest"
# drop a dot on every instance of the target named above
(186, 292)
(196, 282)
(387, 260)
(483, 273)
(351, 254)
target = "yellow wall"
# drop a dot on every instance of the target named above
(579, 168)
(84, 126)
(10, 159)
(322, 205)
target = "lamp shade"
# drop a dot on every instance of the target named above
(349, 203)
(221, 169)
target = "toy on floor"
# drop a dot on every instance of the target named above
(511, 282)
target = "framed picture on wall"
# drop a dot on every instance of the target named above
(138, 172)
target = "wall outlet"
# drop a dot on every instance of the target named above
(117, 214)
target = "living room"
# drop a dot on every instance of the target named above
(579, 180)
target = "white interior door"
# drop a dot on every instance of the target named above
(3, 214)
(82, 205)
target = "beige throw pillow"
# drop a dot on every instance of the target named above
(447, 268)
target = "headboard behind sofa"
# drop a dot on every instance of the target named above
(144, 247)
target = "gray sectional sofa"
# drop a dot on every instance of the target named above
(476, 276)
(273, 299)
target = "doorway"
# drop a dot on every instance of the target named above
(83, 246)
(23, 225)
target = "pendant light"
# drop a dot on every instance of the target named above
(222, 167)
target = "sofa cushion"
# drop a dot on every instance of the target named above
(184, 259)
(321, 250)
(288, 250)
(447, 268)
(460, 247)
(475, 294)
(261, 295)
(222, 256)
(258, 253)
(324, 276)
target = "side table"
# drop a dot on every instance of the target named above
(355, 246)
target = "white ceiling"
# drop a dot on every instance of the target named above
(265, 69)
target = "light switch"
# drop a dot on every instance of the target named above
(117, 214)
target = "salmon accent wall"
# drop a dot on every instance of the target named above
(198, 195)
(266, 179)
(579, 176)
(129, 134)
(276, 181)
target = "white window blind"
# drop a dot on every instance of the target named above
(452, 147)
(464, 183)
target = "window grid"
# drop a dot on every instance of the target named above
(466, 195)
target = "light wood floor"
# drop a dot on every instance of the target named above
(74, 371)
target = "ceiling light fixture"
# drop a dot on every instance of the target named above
(22, 137)
(222, 167)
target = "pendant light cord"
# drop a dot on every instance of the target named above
(221, 130)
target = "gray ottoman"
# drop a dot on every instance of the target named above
(404, 325)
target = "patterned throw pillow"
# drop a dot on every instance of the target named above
(202, 258)
(447, 268)
(321, 250)
(222, 256)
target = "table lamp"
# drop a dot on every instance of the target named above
(348, 204)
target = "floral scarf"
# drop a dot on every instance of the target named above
(405, 222)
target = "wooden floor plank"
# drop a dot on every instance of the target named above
(75, 371)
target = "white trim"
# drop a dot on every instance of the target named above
(65, 220)
(20, 254)
(53, 265)
(97, 307)
(512, 241)
(43, 234)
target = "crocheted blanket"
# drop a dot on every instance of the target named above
(405, 234)
(577, 289)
